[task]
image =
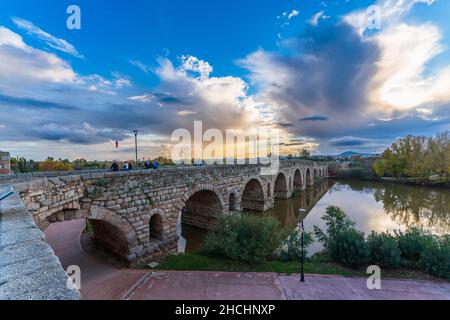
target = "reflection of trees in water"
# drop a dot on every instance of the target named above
(359, 186)
(412, 206)
(416, 206)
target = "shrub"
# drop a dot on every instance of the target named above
(350, 248)
(341, 240)
(291, 248)
(435, 259)
(336, 220)
(247, 238)
(354, 173)
(384, 251)
(379, 167)
(412, 244)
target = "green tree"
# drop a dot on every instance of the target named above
(379, 168)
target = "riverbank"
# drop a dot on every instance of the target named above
(196, 261)
(404, 181)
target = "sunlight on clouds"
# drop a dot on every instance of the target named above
(22, 63)
(405, 51)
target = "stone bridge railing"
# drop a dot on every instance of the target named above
(29, 270)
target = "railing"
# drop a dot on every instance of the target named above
(185, 167)
(6, 193)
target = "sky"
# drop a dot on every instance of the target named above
(315, 70)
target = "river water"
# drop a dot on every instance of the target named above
(373, 206)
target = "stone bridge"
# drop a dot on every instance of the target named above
(135, 214)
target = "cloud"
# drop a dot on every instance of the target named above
(315, 18)
(286, 16)
(315, 118)
(346, 73)
(140, 65)
(185, 112)
(22, 64)
(141, 98)
(293, 14)
(348, 142)
(327, 73)
(48, 39)
(190, 63)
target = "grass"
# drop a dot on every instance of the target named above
(319, 264)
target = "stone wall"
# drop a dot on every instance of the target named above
(29, 269)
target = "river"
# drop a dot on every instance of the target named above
(374, 206)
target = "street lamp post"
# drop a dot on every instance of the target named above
(135, 146)
(302, 229)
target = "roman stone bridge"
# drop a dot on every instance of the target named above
(135, 214)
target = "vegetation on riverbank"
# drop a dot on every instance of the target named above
(421, 158)
(413, 159)
(248, 243)
(318, 264)
(413, 249)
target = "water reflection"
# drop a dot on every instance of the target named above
(373, 206)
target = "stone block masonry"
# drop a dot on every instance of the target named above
(136, 214)
(29, 270)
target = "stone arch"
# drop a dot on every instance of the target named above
(147, 222)
(308, 178)
(202, 187)
(113, 232)
(252, 197)
(201, 206)
(281, 186)
(315, 174)
(298, 181)
(156, 227)
(269, 190)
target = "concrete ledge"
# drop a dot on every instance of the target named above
(29, 269)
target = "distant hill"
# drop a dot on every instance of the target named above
(349, 154)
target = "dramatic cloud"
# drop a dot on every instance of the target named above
(50, 40)
(328, 74)
(342, 71)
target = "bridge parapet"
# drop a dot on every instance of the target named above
(29, 269)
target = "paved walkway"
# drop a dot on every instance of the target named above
(102, 281)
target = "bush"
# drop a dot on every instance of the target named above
(341, 240)
(435, 259)
(384, 251)
(379, 167)
(354, 173)
(350, 248)
(247, 238)
(336, 220)
(412, 244)
(291, 248)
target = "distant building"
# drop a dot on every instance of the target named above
(5, 165)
